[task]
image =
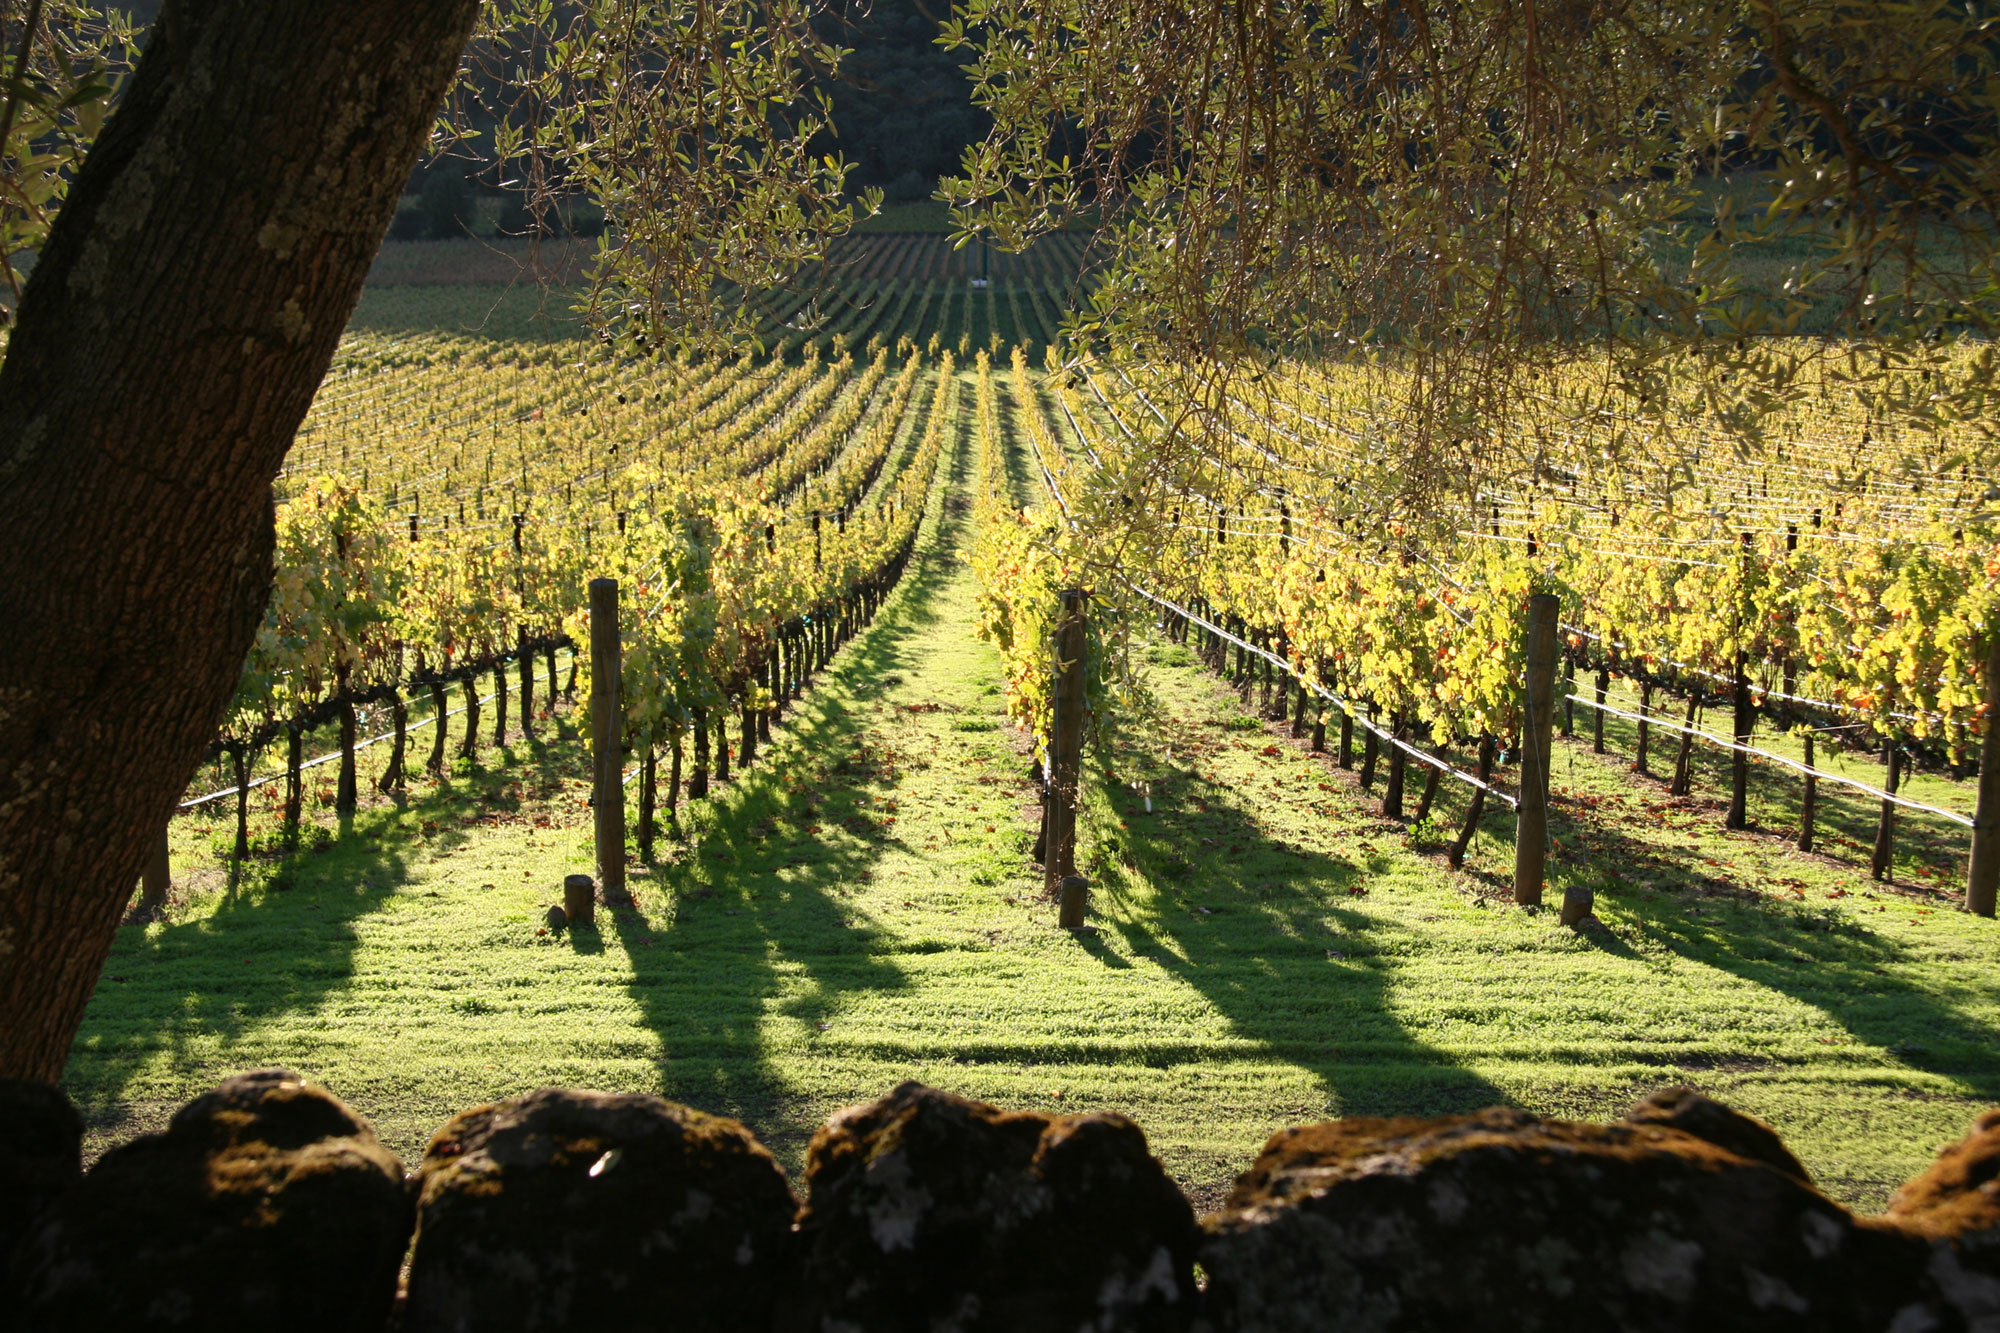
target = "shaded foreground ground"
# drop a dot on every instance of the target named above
(857, 909)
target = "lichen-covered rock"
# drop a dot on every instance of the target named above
(929, 1212)
(1500, 1220)
(596, 1211)
(1960, 1194)
(1691, 1113)
(1954, 1208)
(265, 1204)
(41, 1157)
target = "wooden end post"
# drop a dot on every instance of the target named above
(526, 656)
(1075, 893)
(579, 905)
(1983, 870)
(1066, 743)
(1808, 800)
(1602, 685)
(607, 781)
(1531, 828)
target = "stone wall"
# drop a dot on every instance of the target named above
(267, 1203)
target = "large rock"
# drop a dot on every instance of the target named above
(41, 1157)
(601, 1212)
(265, 1204)
(1691, 1113)
(1502, 1221)
(929, 1212)
(1954, 1208)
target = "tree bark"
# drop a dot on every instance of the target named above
(176, 327)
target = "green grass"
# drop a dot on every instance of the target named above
(522, 312)
(1852, 1016)
(858, 908)
(929, 215)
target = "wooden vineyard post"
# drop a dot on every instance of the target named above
(1531, 828)
(1065, 745)
(1601, 686)
(1074, 894)
(607, 781)
(767, 680)
(578, 907)
(698, 776)
(1982, 871)
(1371, 750)
(294, 781)
(674, 784)
(500, 699)
(527, 659)
(1739, 758)
(1645, 727)
(158, 879)
(1809, 800)
(346, 797)
(240, 762)
(1319, 714)
(1885, 831)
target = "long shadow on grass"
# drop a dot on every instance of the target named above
(281, 942)
(1262, 929)
(1820, 956)
(761, 918)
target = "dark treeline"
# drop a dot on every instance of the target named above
(902, 106)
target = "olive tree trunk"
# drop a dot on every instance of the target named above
(168, 344)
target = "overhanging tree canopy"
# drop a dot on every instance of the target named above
(1465, 197)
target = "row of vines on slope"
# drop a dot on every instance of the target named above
(748, 506)
(1848, 589)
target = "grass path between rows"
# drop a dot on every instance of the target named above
(858, 908)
